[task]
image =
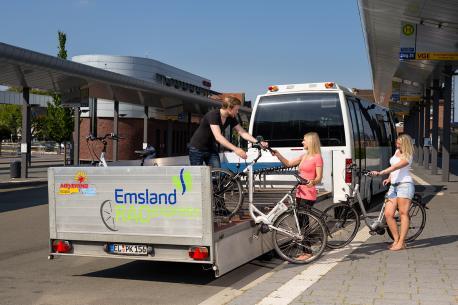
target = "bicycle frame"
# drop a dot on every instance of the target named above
(269, 219)
(372, 223)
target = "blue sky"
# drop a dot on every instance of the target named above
(242, 46)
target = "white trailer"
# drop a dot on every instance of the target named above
(146, 213)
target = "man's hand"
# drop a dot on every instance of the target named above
(241, 153)
(386, 181)
(264, 144)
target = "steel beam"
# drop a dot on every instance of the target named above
(145, 127)
(446, 124)
(115, 129)
(427, 126)
(76, 136)
(25, 133)
(435, 131)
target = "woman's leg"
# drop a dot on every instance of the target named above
(403, 207)
(390, 210)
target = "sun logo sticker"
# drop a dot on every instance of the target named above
(81, 177)
(183, 182)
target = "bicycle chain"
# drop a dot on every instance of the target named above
(275, 169)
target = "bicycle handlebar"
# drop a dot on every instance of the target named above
(112, 136)
(364, 172)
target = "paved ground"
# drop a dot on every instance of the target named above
(363, 273)
(37, 172)
(367, 273)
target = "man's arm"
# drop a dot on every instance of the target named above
(244, 134)
(216, 130)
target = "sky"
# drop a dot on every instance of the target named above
(240, 45)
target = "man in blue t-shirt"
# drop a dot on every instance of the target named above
(203, 147)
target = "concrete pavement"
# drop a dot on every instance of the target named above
(366, 272)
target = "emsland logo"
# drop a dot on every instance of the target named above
(183, 182)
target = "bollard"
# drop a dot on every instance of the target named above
(15, 169)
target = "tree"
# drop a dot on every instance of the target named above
(10, 120)
(59, 122)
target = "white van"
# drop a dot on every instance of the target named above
(351, 130)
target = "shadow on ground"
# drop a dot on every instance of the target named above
(16, 199)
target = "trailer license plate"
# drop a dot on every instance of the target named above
(126, 249)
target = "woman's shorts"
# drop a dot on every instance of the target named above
(401, 190)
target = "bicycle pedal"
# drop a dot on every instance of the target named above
(373, 232)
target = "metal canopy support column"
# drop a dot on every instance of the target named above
(427, 126)
(25, 133)
(415, 130)
(446, 124)
(421, 135)
(93, 115)
(435, 131)
(169, 140)
(115, 129)
(76, 137)
(145, 127)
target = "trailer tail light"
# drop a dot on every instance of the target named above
(198, 253)
(329, 85)
(61, 246)
(348, 172)
(273, 88)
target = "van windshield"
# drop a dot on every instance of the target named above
(284, 119)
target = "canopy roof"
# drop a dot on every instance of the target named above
(26, 68)
(436, 24)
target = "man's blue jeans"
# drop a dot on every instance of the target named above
(199, 157)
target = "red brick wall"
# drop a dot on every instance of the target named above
(131, 129)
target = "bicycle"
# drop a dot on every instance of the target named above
(299, 236)
(342, 218)
(101, 160)
(147, 154)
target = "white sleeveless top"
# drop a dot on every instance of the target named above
(403, 174)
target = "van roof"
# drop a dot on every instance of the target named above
(294, 88)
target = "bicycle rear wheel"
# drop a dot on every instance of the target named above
(299, 246)
(342, 222)
(417, 217)
(227, 192)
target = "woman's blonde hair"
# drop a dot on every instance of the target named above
(406, 146)
(230, 102)
(313, 143)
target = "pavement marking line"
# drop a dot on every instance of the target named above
(228, 294)
(298, 284)
(419, 180)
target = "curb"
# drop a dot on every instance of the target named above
(21, 183)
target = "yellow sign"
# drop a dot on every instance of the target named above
(436, 56)
(408, 29)
(410, 98)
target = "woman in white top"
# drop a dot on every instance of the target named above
(401, 190)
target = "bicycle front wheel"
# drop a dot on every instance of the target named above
(417, 221)
(342, 222)
(299, 246)
(227, 192)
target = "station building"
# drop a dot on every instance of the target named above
(169, 128)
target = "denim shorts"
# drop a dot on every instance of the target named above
(401, 190)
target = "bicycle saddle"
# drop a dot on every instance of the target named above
(149, 152)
